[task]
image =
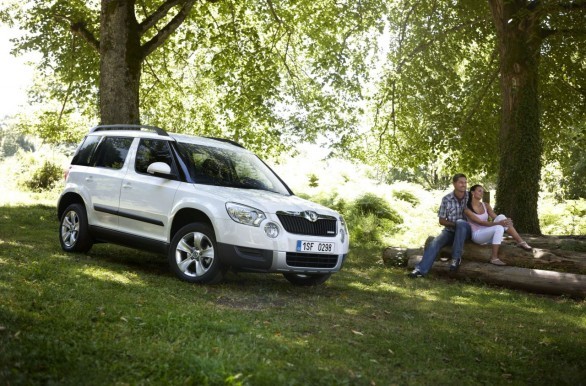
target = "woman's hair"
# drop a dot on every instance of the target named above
(469, 204)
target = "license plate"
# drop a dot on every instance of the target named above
(315, 246)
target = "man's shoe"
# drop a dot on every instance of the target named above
(415, 274)
(454, 265)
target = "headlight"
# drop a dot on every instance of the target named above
(245, 214)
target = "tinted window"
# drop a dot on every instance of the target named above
(112, 152)
(223, 167)
(153, 150)
(85, 152)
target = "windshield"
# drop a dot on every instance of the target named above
(223, 167)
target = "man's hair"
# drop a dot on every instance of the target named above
(458, 176)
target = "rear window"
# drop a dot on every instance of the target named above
(86, 150)
(107, 152)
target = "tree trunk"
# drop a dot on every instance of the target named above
(519, 43)
(120, 63)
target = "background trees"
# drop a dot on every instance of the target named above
(495, 89)
(440, 91)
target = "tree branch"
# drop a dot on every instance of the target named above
(546, 32)
(160, 13)
(273, 12)
(80, 30)
(424, 45)
(167, 30)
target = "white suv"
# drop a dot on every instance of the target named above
(208, 204)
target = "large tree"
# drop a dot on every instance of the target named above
(441, 91)
(266, 73)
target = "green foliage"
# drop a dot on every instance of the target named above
(330, 200)
(370, 203)
(565, 218)
(37, 173)
(11, 141)
(313, 180)
(269, 75)
(371, 218)
(407, 196)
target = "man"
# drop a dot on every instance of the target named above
(456, 231)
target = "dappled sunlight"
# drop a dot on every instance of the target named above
(17, 245)
(106, 275)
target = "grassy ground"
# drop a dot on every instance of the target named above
(117, 316)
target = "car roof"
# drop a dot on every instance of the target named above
(152, 132)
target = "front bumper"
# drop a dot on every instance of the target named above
(262, 260)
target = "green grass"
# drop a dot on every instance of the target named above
(117, 316)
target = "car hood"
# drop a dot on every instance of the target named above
(266, 201)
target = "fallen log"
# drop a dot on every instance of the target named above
(549, 268)
(543, 256)
(527, 279)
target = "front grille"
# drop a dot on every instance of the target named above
(301, 226)
(311, 260)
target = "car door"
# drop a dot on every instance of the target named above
(104, 179)
(146, 200)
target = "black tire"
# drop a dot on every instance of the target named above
(193, 255)
(74, 234)
(307, 279)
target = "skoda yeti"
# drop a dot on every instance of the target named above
(208, 204)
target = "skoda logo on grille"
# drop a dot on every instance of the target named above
(310, 215)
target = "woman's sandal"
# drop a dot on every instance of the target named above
(525, 246)
(497, 261)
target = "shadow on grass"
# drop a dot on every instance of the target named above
(120, 314)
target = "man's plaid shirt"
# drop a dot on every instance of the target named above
(452, 209)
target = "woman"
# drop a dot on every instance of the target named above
(484, 231)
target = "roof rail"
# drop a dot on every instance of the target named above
(226, 141)
(158, 130)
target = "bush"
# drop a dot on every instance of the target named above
(44, 177)
(35, 171)
(370, 203)
(365, 230)
(370, 219)
(407, 196)
(566, 218)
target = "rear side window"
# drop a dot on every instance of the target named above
(84, 154)
(112, 152)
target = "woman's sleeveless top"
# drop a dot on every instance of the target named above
(481, 217)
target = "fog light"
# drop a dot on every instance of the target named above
(272, 230)
(343, 229)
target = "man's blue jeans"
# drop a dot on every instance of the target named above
(447, 237)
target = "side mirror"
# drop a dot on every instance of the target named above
(159, 169)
